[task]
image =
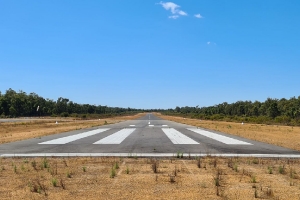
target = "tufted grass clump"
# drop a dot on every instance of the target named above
(112, 172)
(54, 182)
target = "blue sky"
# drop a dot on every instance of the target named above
(151, 54)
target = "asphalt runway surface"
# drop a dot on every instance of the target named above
(148, 136)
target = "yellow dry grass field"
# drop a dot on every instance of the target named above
(15, 131)
(285, 136)
(145, 178)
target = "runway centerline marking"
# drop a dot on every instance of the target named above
(220, 138)
(178, 138)
(71, 138)
(117, 137)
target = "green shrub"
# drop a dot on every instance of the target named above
(112, 172)
(54, 182)
(45, 163)
(253, 179)
(281, 170)
(270, 170)
(116, 166)
(64, 114)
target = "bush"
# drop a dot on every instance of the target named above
(64, 114)
(283, 119)
(74, 115)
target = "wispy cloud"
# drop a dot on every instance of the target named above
(198, 16)
(211, 43)
(174, 8)
(173, 16)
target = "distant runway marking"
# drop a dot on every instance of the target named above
(164, 125)
(71, 138)
(148, 122)
(131, 125)
(147, 155)
(220, 138)
(151, 125)
(117, 137)
(178, 138)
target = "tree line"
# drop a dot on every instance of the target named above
(271, 111)
(21, 104)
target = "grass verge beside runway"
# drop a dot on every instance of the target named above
(15, 131)
(145, 178)
(285, 136)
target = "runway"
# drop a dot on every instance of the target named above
(148, 136)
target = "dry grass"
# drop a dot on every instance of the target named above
(15, 131)
(175, 179)
(285, 136)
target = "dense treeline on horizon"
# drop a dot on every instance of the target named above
(20, 104)
(272, 111)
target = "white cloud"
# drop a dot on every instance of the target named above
(174, 8)
(173, 16)
(170, 6)
(180, 12)
(211, 43)
(198, 16)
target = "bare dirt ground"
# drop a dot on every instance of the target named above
(135, 178)
(285, 136)
(15, 131)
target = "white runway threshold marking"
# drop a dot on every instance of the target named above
(178, 138)
(71, 138)
(220, 138)
(117, 137)
(131, 125)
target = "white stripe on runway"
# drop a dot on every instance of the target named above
(220, 138)
(131, 125)
(71, 138)
(117, 137)
(178, 138)
(148, 155)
